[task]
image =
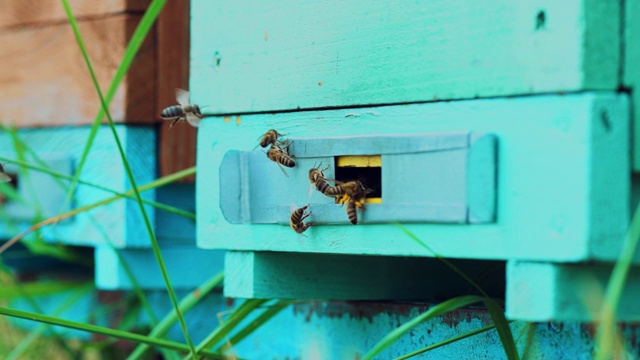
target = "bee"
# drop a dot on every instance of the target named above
(316, 177)
(297, 218)
(353, 193)
(271, 138)
(281, 157)
(4, 177)
(184, 111)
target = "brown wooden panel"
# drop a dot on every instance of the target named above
(29, 13)
(45, 81)
(178, 144)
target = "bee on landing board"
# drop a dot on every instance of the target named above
(352, 193)
(296, 221)
(4, 177)
(281, 156)
(184, 111)
(271, 138)
(316, 177)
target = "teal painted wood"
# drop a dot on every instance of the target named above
(563, 179)
(565, 292)
(347, 330)
(263, 56)
(631, 69)
(430, 177)
(119, 222)
(269, 275)
(187, 266)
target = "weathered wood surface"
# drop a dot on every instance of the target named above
(279, 55)
(543, 292)
(119, 222)
(178, 144)
(45, 81)
(42, 12)
(563, 179)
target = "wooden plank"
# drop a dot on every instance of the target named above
(58, 90)
(562, 193)
(119, 222)
(178, 144)
(631, 70)
(269, 275)
(565, 292)
(188, 267)
(29, 13)
(301, 55)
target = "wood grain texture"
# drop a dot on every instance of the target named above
(188, 267)
(48, 83)
(119, 222)
(543, 292)
(37, 13)
(631, 70)
(178, 144)
(563, 179)
(292, 55)
(269, 275)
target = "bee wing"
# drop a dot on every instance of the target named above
(193, 120)
(182, 96)
(283, 171)
(4, 178)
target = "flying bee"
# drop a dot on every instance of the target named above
(4, 177)
(184, 111)
(297, 219)
(316, 177)
(271, 138)
(281, 157)
(354, 189)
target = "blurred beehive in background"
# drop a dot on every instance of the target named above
(46, 83)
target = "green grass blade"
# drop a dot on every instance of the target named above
(185, 305)
(137, 38)
(125, 162)
(444, 260)
(503, 328)
(118, 334)
(230, 323)
(55, 174)
(24, 345)
(437, 310)
(36, 289)
(256, 323)
(606, 341)
(446, 342)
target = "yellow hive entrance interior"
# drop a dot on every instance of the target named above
(366, 168)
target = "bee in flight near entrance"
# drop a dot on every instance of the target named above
(184, 111)
(297, 219)
(4, 177)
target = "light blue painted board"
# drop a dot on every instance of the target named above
(274, 55)
(631, 70)
(38, 188)
(565, 292)
(424, 178)
(187, 266)
(268, 275)
(120, 221)
(172, 228)
(550, 179)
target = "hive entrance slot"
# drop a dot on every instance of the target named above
(367, 169)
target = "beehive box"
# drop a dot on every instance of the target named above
(549, 86)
